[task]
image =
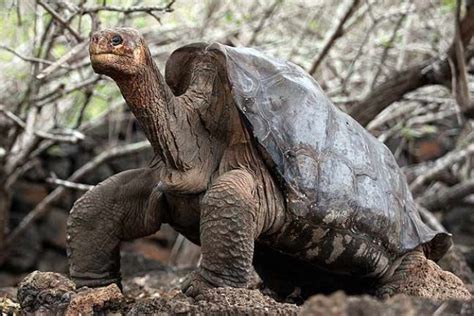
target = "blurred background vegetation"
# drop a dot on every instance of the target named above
(404, 69)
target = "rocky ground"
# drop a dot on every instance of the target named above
(140, 299)
(150, 288)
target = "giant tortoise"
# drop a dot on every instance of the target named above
(256, 165)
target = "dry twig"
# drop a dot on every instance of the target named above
(388, 45)
(128, 10)
(60, 62)
(431, 71)
(30, 59)
(71, 136)
(444, 197)
(69, 184)
(262, 21)
(348, 9)
(58, 18)
(440, 165)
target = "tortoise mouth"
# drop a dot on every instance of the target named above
(109, 54)
(109, 58)
(112, 64)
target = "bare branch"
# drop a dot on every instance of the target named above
(71, 136)
(61, 92)
(60, 62)
(389, 44)
(266, 15)
(30, 59)
(445, 197)
(440, 165)
(348, 9)
(69, 184)
(58, 18)
(127, 10)
(431, 71)
(430, 219)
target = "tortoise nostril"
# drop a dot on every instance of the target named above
(95, 38)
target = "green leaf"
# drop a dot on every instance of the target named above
(448, 5)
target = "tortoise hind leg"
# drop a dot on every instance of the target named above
(418, 276)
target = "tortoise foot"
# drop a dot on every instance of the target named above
(195, 285)
(419, 276)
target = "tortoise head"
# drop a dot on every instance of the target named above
(119, 52)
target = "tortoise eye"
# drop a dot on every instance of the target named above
(117, 40)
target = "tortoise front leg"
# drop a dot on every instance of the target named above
(125, 206)
(228, 232)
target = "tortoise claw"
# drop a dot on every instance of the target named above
(195, 285)
(385, 292)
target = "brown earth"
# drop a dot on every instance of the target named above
(157, 291)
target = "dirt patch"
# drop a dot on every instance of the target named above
(340, 304)
(227, 301)
(157, 292)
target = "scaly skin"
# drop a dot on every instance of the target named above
(223, 232)
(211, 183)
(126, 206)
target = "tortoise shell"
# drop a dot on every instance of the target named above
(329, 167)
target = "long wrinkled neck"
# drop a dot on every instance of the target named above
(152, 103)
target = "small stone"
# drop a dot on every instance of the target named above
(8, 307)
(46, 290)
(90, 301)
